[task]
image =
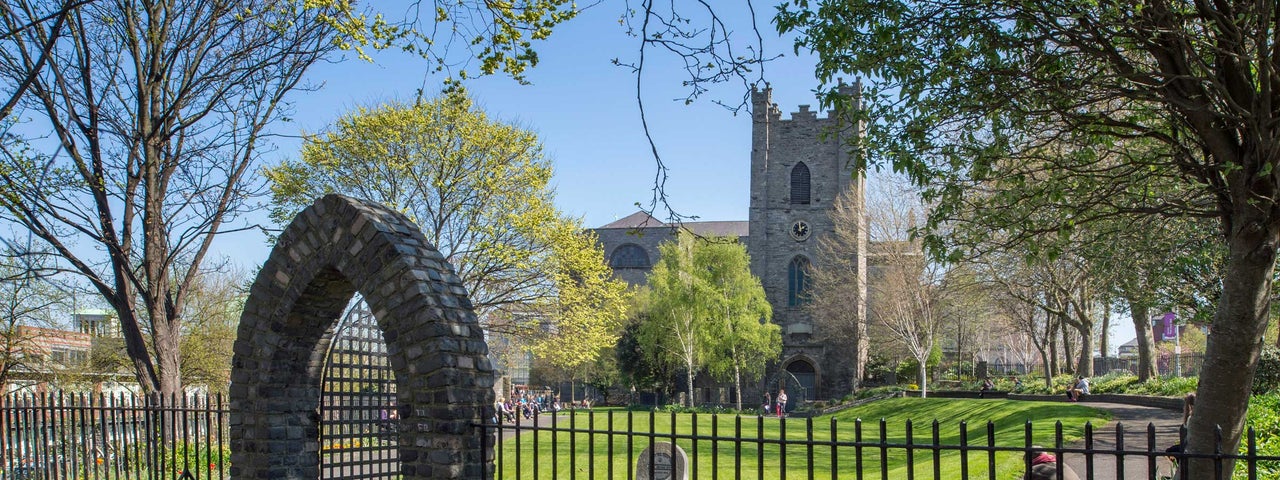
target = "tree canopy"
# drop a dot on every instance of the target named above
(1147, 108)
(480, 190)
(704, 309)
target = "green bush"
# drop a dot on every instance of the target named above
(1115, 382)
(878, 391)
(1264, 418)
(1267, 379)
(1165, 386)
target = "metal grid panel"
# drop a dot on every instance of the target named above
(358, 408)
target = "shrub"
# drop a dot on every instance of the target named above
(1165, 386)
(1115, 382)
(1267, 379)
(878, 391)
(1264, 418)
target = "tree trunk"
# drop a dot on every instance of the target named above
(1044, 363)
(737, 385)
(1054, 369)
(1236, 338)
(924, 377)
(689, 382)
(1104, 343)
(1146, 342)
(1084, 367)
(1067, 351)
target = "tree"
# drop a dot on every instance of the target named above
(1178, 91)
(480, 190)
(156, 115)
(26, 300)
(216, 300)
(589, 305)
(840, 274)
(639, 366)
(743, 339)
(677, 321)
(905, 289)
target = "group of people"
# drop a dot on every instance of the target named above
(528, 406)
(776, 406)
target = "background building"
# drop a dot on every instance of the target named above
(798, 168)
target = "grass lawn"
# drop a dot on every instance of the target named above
(617, 445)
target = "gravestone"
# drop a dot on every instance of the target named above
(668, 464)
(337, 247)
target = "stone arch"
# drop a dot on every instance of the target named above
(335, 248)
(806, 371)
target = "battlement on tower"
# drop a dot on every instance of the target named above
(762, 105)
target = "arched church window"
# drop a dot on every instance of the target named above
(629, 256)
(800, 184)
(798, 282)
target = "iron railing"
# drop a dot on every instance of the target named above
(90, 437)
(55, 437)
(610, 445)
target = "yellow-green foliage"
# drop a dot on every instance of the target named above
(497, 34)
(480, 191)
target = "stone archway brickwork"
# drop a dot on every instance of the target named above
(335, 248)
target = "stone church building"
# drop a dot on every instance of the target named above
(798, 167)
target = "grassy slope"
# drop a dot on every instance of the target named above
(755, 461)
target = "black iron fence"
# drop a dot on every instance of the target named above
(100, 437)
(92, 437)
(626, 445)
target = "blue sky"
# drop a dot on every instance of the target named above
(584, 110)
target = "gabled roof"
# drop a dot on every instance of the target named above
(636, 220)
(719, 228)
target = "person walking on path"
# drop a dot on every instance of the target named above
(768, 402)
(782, 402)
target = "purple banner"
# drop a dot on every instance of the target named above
(1170, 330)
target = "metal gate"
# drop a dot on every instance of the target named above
(358, 404)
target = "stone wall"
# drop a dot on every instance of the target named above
(337, 247)
(778, 146)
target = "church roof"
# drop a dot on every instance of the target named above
(644, 220)
(721, 229)
(636, 220)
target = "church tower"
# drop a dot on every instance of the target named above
(798, 168)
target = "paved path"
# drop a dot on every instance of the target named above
(1135, 420)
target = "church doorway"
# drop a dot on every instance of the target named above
(806, 376)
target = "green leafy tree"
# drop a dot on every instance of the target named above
(705, 310)
(1105, 98)
(480, 191)
(677, 323)
(641, 367)
(743, 338)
